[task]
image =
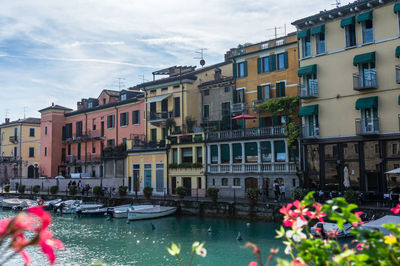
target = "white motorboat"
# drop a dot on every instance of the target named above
(155, 211)
(377, 224)
(18, 204)
(67, 206)
(122, 210)
(78, 206)
(332, 227)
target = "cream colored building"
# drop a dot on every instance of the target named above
(349, 93)
(19, 149)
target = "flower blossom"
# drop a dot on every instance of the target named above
(357, 214)
(317, 214)
(396, 209)
(289, 215)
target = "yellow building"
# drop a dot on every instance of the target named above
(19, 148)
(169, 101)
(350, 96)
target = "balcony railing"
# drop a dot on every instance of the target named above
(151, 145)
(250, 132)
(157, 117)
(398, 74)
(238, 108)
(309, 90)
(364, 81)
(13, 139)
(276, 167)
(310, 132)
(367, 126)
(9, 159)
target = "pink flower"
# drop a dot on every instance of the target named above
(3, 226)
(317, 214)
(300, 210)
(357, 214)
(253, 263)
(44, 216)
(289, 215)
(396, 210)
(298, 262)
(48, 244)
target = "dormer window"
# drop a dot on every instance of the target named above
(104, 101)
(90, 104)
(123, 97)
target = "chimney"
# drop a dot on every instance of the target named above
(7, 120)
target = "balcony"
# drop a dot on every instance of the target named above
(277, 131)
(398, 74)
(239, 108)
(367, 126)
(186, 138)
(9, 159)
(92, 135)
(365, 81)
(157, 118)
(309, 90)
(277, 167)
(139, 143)
(310, 132)
(13, 139)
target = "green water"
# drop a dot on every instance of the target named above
(118, 243)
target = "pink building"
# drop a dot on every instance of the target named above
(90, 140)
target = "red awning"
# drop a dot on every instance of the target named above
(243, 117)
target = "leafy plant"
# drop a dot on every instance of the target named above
(21, 189)
(181, 191)
(53, 189)
(299, 193)
(197, 248)
(198, 138)
(252, 195)
(36, 189)
(7, 188)
(351, 196)
(190, 122)
(213, 193)
(72, 190)
(122, 190)
(170, 123)
(97, 191)
(147, 192)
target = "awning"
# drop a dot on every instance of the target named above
(364, 16)
(365, 103)
(398, 51)
(318, 30)
(308, 110)
(364, 58)
(394, 171)
(347, 21)
(311, 69)
(159, 98)
(396, 8)
(303, 34)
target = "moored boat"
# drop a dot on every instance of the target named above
(122, 211)
(152, 212)
(327, 228)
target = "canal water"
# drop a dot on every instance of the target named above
(89, 240)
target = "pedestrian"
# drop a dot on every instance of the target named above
(69, 184)
(283, 190)
(276, 190)
(79, 186)
(74, 183)
(16, 186)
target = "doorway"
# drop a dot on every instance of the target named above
(187, 183)
(173, 185)
(31, 171)
(371, 182)
(251, 182)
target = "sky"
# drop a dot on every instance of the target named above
(63, 51)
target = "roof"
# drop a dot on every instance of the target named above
(190, 76)
(29, 120)
(55, 107)
(212, 82)
(111, 93)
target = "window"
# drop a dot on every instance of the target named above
(31, 152)
(398, 20)
(187, 155)
(214, 154)
(213, 182)
(282, 61)
(177, 107)
(367, 31)
(369, 120)
(153, 91)
(153, 134)
(310, 85)
(164, 89)
(320, 43)
(265, 64)
(68, 130)
(69, 149)
(177, 86)
(206, 112)
(237, 153)
(280, 151)
(242, 69)
(236, 182)
(206, 92)
(90, 104)
(394, 149)
(104, 101)
(78, 129)
(306, 46)
(110, 143)
(226, 109)
(251, 152)
(124, 119)
(123, 97)
(225, 154)
(227, 88)
(367, 75)
(136, 117)
(266, 152)
(199, 182)
(31, 132)
(280, 89)
(264, 92)
(239, 95)
(311, 126)
(224, 182)
(45, 131)
(45, 151)
(110, 121)
(93, 150)
(199, 152)
(175, 155)
(350, 34)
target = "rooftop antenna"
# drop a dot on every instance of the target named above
(275, 29)
(24, 112)
(142, 78)
(337, 4)
(201, 53)
(120, 83)
(6, 113)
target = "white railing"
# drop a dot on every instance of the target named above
(238, 107)
(253, 168)
(250, 132)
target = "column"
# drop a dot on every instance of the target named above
(273, 156)
(259, 156)
(194, 155)
(179, 156)
(230, 156)
(243, 156)
(219, 157)
(287, 156)
(208, 147)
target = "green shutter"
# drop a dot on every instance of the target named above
(259, 93)
(206, 111)
(279, 146)
(214, 150)
(237, 150)
(364, 58)
(138, 116)
(245, 68)
(398, 51)
(348, 21)
(398, 100)
(259, 66)
(364, 16)
(120, 119)
(286, 59)
(312, 69)
(265, 147)
(260, 122)
(396, 8)
(225, 156)
(303, 34)
(272, 62)
(251, 149)
(275, 121)
(366, 103)
(241, 123)
(282, 90)
(234, 95)
(108, 121)
(309, 110)
(234, 70)
(318, 30)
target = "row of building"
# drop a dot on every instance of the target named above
(200, 128)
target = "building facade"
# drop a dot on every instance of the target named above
(349, 93)
(252, 152)
(90, 141)
(19, 149)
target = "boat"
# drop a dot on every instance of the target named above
(377, 224)
(122, 210)
(332, 227)
(152, 212)
(94, 212)
(80, 207)
(49, 205)
(9, 203)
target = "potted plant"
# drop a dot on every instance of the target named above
(97, 191)
(53, 189)
(7, 188)
(147, 192)
(21, 189)
(122, 190)
(72, 190)
(36, 189)
(252, 195)
(212, 192)
(181, 192)
(190, 123)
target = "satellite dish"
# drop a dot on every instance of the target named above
(202, 62)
